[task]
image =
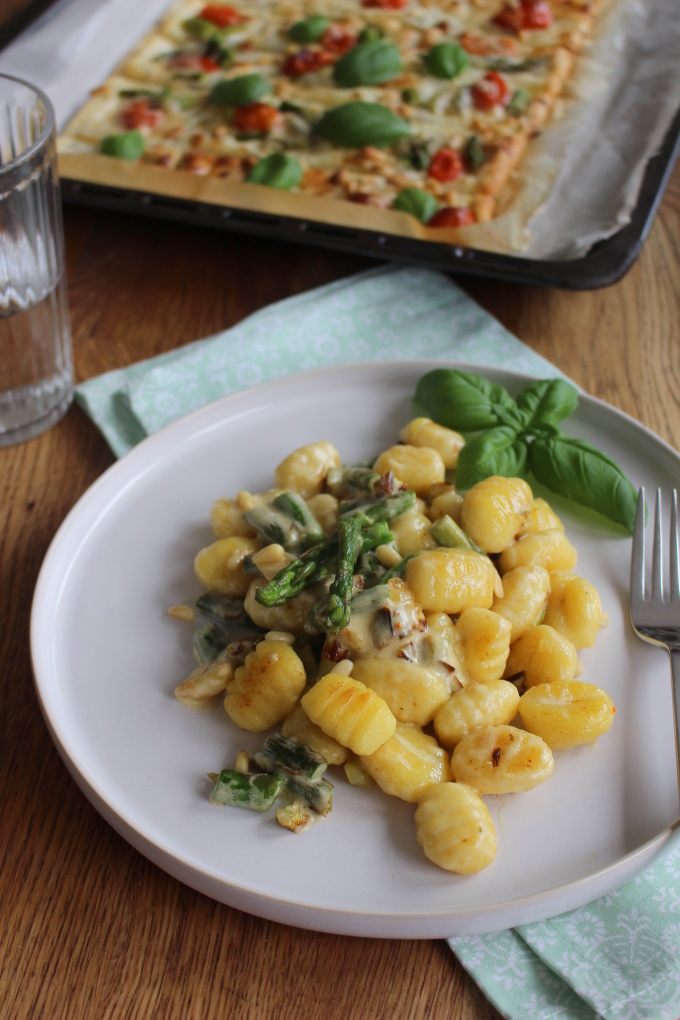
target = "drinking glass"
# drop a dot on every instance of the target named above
(36, 363)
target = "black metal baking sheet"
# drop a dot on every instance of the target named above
(605, 263)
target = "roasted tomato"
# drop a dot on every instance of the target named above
(192, 62)
(385, 5)
(255, 118)
(306, 61)
(222, 15)
(452, 216)
(337, 39)
(140, 113)
(492, 90)
(446, 165)
(527, 15)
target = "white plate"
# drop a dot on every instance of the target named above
(107, 658)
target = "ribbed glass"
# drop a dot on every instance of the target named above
(36, 365)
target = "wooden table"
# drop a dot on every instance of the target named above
(90, 928)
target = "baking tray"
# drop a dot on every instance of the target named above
(605, 263)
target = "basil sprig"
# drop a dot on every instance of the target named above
(515, 437)
(356, 124)
(368, 63)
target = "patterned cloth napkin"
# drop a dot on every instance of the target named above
(617, 958)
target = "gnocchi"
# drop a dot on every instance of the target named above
(574, 609)
(450, 580)
(266, 687)
(350, 712)
(525, 591)
(543, 655)
(566, 713)
(491, 704)
(501, 759)
(455, 829)
(409, 688)
(406, 764)
(494, 511)
(417, 467)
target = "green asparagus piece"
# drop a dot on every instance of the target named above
(380, 508)
(293, 505)
(397, 570)
(284, 756)
(254, 790)
(349, 547)
(220, 607)
(375, 535)
(314, 564)
(209, 641)
(348, 483)
(317, 562)
(288, 522)
(370, 599)
(317, 793)
(272, 525)
(446, 532)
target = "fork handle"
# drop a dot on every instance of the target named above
(675, 675)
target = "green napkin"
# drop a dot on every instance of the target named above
(617, 958)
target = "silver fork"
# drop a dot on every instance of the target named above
(655, 614)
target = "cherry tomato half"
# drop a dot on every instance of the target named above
(385, 5)
(306, 61)
(527, 15)
(446, 165)
(337, 39)
(452, 216)
(222, 15)
(192, 62)
(140, 113)
(492, 90)
(255, 118)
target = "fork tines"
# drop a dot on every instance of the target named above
(659, 592)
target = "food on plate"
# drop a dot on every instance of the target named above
(421, 107)
(388, 641)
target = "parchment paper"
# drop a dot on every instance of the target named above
(578, 184)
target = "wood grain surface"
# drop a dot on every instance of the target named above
(90, 929)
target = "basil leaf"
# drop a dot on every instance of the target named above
(547, 402)
(464, 401)
(446, 60)
(241, 91)
(416, 203)
(356, 124)
(495, 452)
(129, 145)
(277, 171)
(576, 469)
(368, 63)
(308, 30)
